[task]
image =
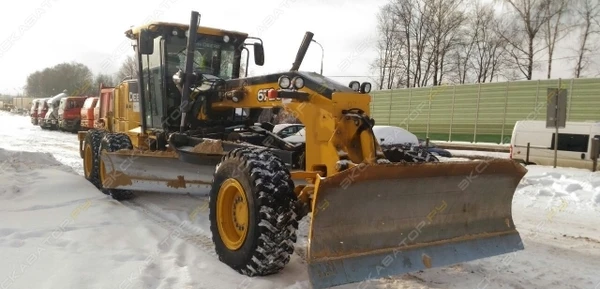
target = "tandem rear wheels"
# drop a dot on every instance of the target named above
(94, 167)
(253, 212)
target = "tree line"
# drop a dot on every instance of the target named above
(429, 42)
(79, 80)
(76, 78)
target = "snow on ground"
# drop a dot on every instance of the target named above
(58, 231)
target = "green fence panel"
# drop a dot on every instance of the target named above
(484, 112)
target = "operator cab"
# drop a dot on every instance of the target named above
(162, 53)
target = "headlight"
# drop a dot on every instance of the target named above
(354, 85)
(284, 82)
(298, 82)
(365, 87)
(225, 38)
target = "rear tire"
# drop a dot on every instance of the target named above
(113, 142)
(267, 244)
(91, 162)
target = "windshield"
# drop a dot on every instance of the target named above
(212, 56)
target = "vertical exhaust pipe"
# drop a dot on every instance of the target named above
(308, 36)
(189, 67)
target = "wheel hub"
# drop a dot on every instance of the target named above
(232, 214)
(87, 160)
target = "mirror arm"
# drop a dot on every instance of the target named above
(247, 60)
(255, 38)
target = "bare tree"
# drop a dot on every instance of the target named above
(462, 55)
(588, 11)
(415, 35)
(444, 20)
(523, 38)
(491, 50)
(388, 47)
(103, 79)
(128, 68)
(555, 28)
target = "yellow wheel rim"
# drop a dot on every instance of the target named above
(87, 160)
(232, 214)
(102, 169)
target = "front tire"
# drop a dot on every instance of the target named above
(113, 142)
(91, 162)
(252, 216)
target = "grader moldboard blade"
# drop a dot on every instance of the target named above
(183, 171)
(374, 221)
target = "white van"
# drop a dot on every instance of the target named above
(574, 143)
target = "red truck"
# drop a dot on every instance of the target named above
(33, 112)
(87, 113)
(41, 111)
(104, 101)
(69, 113)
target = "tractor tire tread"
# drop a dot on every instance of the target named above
(113, 142)
(94, 137)
(275, 206)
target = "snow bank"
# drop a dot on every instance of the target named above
(58, 231)
(544, 186)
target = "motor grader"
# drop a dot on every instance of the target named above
(186, 123)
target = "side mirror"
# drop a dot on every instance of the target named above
(259, 54)
(146, 42)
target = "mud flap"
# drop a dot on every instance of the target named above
(377, 221)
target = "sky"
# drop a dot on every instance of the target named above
(37, 34)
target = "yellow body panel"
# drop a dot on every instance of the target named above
(126, 113)
(320, 115)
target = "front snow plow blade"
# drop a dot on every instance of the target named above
(374, 221)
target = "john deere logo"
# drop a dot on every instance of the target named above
(134, 97)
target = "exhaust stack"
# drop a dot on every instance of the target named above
(308, 36)
(189, 67)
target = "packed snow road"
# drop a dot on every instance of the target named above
(58, 231)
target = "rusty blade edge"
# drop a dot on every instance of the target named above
(364, 172)
(412, 247)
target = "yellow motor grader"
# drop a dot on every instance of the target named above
(186, 123)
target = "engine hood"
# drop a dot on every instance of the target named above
(314, 81)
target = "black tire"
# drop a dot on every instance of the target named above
(112, 142)
(269, 190)
(93, 138)
(405, 153)
(77, 126)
